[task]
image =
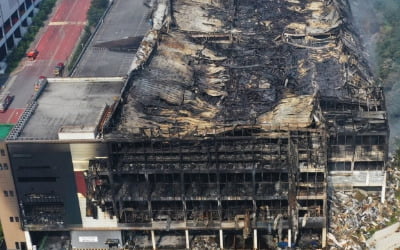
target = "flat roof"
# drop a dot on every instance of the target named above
(125, 19)
(71, 102)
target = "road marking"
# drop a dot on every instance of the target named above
(9, 83)
(66, 23)
(28, 63)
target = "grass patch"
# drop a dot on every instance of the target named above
(5, 130)
(43, 243)
(96, 10)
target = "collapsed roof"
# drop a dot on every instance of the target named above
(210, 63)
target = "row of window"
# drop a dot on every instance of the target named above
(14, 219)
(20, 245)
(8, 193)
(358, 166)
(357, 140)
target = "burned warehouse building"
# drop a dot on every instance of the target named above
(232, 123)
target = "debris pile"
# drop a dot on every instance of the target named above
(355, 216)
(204, 243)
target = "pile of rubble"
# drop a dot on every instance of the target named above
(355, 216)
(204, 243)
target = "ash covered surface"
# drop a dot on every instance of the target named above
(232, 62)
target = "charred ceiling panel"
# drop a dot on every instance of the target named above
(232, 62)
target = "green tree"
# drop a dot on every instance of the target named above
(96, 10)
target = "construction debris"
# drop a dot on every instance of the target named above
(355, 216)
(204, 243)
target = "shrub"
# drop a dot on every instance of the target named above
(95, 12)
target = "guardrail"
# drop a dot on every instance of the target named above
(16, 130)
(90, 39)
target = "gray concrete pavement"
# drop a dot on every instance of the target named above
(125, 19)
(22, 84)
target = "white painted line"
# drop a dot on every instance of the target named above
(66, 23)
(9, 83)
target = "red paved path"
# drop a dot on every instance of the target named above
(59, 40)
(71, 11)
(66, 36)
(11, 116)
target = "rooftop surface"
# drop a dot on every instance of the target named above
(70, 103)
(125, 20)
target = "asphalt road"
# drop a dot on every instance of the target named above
(126, 18)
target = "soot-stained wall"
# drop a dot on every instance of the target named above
(46, 169)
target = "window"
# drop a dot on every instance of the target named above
(1, 167)
(5, 166)
(33, 167)
(14, 219)
(22, 156)
(368, 165)
(8, 193)
(17, 245)
(339, 166)
(2, 152)
(23, 246)
(37, 179)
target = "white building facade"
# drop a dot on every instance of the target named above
(15, 17)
